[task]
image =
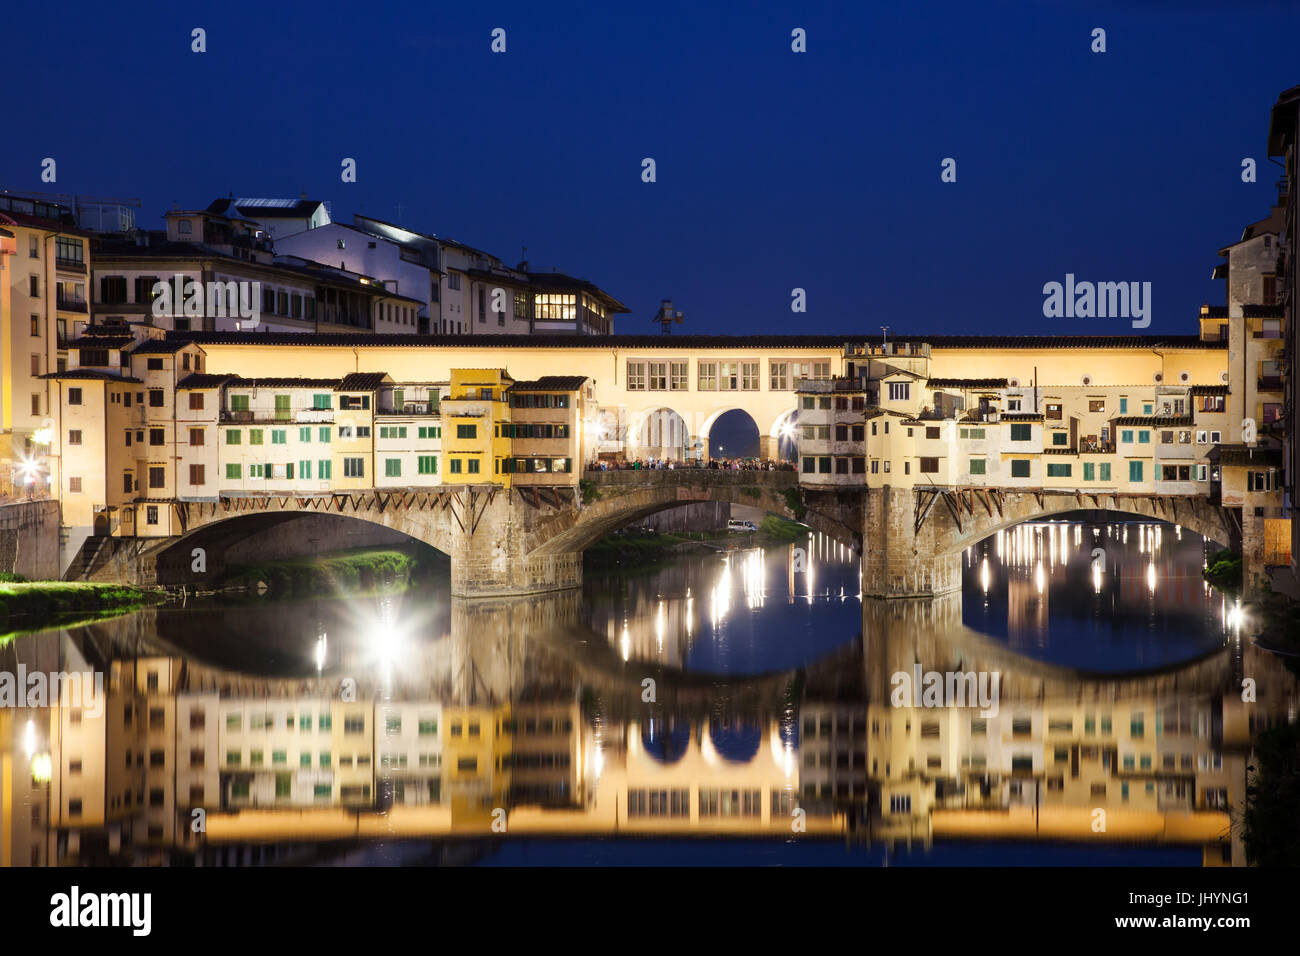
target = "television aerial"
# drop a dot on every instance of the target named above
(667, 316)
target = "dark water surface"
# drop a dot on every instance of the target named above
(741, 704)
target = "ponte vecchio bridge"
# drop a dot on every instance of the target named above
(1057, 424)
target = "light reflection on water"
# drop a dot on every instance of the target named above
(773, 685)
(1108, 597)
(742, 611)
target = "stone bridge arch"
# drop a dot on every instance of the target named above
(620, 497)
(969, 516)
(913, 537)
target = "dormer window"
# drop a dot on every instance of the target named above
(185, 227)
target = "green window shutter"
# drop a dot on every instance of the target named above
(234, 436)
(255, 436)
(1135, 471)
(304, 433)
(232, 471)
(1104, 471)
(304, 468)
(239, 403)
(1089, 470)
(323, 433)
(393, 467)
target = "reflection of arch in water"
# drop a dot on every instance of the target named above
(665, 740)
(735, 741)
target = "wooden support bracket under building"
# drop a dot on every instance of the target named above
(924, 502)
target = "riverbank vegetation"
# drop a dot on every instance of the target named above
(355, 571)
(35, 605)
(1223, 570)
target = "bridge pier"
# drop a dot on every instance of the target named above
(897, 560)
(496, 565)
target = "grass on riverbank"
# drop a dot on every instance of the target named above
(34, 605)
(1223, 571)
(354, 571)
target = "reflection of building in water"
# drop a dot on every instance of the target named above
(1162, 765)
(566, 748)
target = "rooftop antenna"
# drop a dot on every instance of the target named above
(884, 338)
(667, 316)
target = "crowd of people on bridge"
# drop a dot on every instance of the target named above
(671, 464)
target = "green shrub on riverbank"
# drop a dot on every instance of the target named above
(1224, 571)
(37, 601)
(8, 577)
(360, 569)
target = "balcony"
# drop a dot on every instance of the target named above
(70, 265)
(1094, 447)
(411, 408)
(270, 416)
(70, 304)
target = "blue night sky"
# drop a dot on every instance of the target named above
(775, 169)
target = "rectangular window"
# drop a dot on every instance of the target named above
(233, 471)
(197, 475)
(1103, 471)
(324, 469)
(466, 431)
(277, 436)
(1135, 471)
(1020, 468)
(392, 468)
(900, 391)
(636, 376)
(1021, 432)
(778, 376)
(978, 466)
(255, 436)
(1144, 437)
(708, 377)
(1058, 470)
(929, 466)
(1089, 471)
(427, 465)
(354, 467)
(74, 396)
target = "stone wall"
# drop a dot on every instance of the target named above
(29, 539)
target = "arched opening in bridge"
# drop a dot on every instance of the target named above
(297, 552)
(1098, 590)
(783, 436)
(732, 433)
(662, 434)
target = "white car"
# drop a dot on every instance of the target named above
(737, 525)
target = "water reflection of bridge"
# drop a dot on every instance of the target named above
(535, 713)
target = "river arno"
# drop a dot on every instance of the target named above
(726, 707)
